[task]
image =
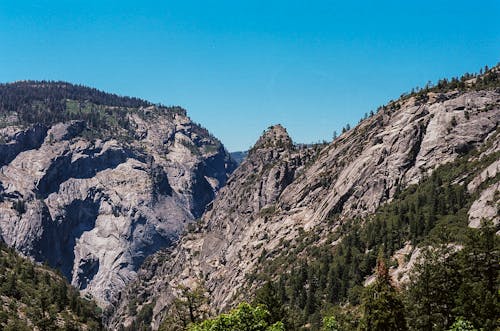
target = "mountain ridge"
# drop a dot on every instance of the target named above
(94, 188)
(136, 204)
(350, 178)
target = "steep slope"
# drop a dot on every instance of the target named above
(231, 221)
(35, 297)
(93, 183)
(253, 221)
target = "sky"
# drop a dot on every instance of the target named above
(241, 66)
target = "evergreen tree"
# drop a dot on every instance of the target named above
(243, 318)
(330, 324)
(462, 325)
(477, 298)
(382, 305)
(267, 296)
(190, 306)
(434, 282)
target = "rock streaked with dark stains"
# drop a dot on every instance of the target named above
(96, 209)
(16, 141)
(280, 190)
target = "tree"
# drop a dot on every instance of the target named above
(433, 284)
(243, 318)
(268, 297)
(462, 325)
(9, 288)
(383, 308)
(190, 306)
(330, 324)
(477, 299)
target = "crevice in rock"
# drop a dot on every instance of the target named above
(145, 241)
(56, 246)
(339, 206)
(31, 138)
(203, 193)
(161, 185)
(63, 169)
(417, 143)
(88, 268)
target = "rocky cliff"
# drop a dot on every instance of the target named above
(96, 183)
(281, 192)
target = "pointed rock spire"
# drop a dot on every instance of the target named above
(275, 136)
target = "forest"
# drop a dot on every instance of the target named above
(33, 295)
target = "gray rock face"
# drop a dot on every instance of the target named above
(96, 209)
(15, 141)
(280, 191)
(486, 206)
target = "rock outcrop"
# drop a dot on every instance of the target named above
(96, 207)
(280, 191)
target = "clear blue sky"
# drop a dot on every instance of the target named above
(240, 66)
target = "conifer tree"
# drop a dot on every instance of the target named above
(382, 305)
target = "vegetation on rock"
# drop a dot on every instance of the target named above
(243, 318)
(431, 215)
(35, 297)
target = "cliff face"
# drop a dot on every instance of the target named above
(96, 207)
(280, 191)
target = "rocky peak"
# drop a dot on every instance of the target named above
(275, 137)
(235, 216)
(281, 192)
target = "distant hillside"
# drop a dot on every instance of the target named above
(46, 103)
(35, 297)
(238, 157)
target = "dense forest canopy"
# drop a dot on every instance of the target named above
(13, 95)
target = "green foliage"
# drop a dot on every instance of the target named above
(315, 277)
(478, 298)
(146, 315)
(191, 147)
(429, 295)
(243, 318)
(490, 79)
(190, 306)
(32, 295)
(346, 317)
(382, 305)
(462, 325)
(43, 102)
(330, 324)
(449, 282)
(268, 297)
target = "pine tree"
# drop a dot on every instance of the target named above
(268, 297)
(434, 282)
(477, 299)
(382, 305)
(190, 306)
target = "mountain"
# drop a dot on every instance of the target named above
(145, 211)
(287, 209)
(238, 157)
(93, 183)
